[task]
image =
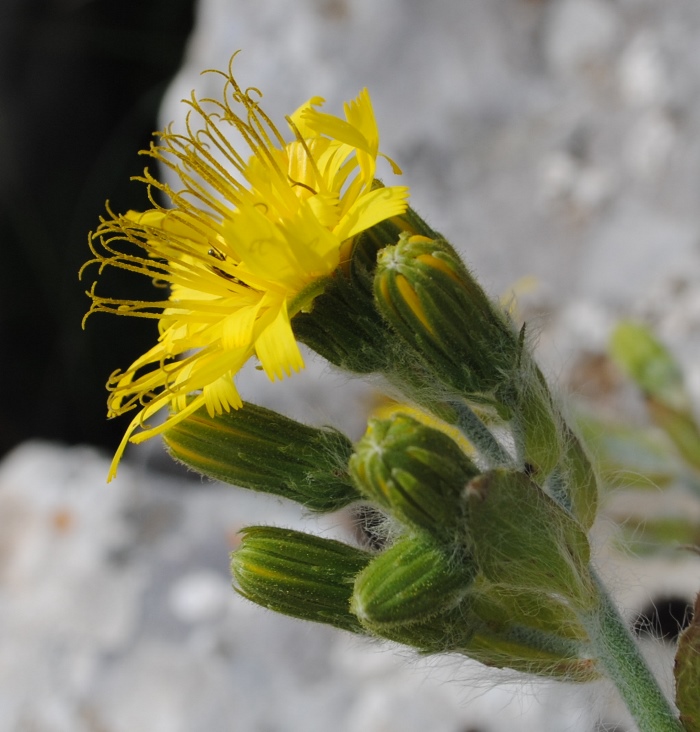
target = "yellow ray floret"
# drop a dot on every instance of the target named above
(252, 233)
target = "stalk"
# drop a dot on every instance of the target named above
(481, 437)
(617, 652)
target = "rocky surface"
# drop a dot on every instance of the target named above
(557, 140)
(118, 616)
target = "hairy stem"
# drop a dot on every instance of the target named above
(481, 437)
(614, 647)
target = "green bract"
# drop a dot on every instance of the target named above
(522, 538)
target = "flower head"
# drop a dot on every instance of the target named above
(253, 233)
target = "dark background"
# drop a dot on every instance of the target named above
(80, 86)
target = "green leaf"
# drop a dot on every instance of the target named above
(628, 456)
(687, 673)
(654, 535)
(649, 363)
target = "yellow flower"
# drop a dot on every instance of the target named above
(250, 241)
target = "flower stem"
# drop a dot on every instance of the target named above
(614, 647)
(481, 437)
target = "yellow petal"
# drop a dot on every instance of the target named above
(297, 118)
(237, 328)
(221, 395)
(370, 209)
(277, 348)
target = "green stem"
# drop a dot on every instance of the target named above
(614, 647)
(481, 437)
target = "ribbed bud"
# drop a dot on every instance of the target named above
(410, 582)
(441, 313)
(523, 538)
(298, 574)
(414, 472)
(261, 450)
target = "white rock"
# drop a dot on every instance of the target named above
(651, 141)
(580, 31)
(642, 72)
(632, 251)
(200, 596)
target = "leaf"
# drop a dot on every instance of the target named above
(630, 456)
(645, 536)
(687, 673)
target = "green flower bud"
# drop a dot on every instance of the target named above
(368, 244)
(261, 450)
(410, 582)
(507, 644)
(552, 454)
(523, 538)
(414, 472)
(298, 574)
(442, 315)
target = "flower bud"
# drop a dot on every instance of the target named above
(442, 315)
(261, 450)
(410, 582)
(414, 472)
(495, 639)
(522, 538)
(298, 574)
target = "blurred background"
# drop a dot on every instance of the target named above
(80, 88)
(556, 143)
